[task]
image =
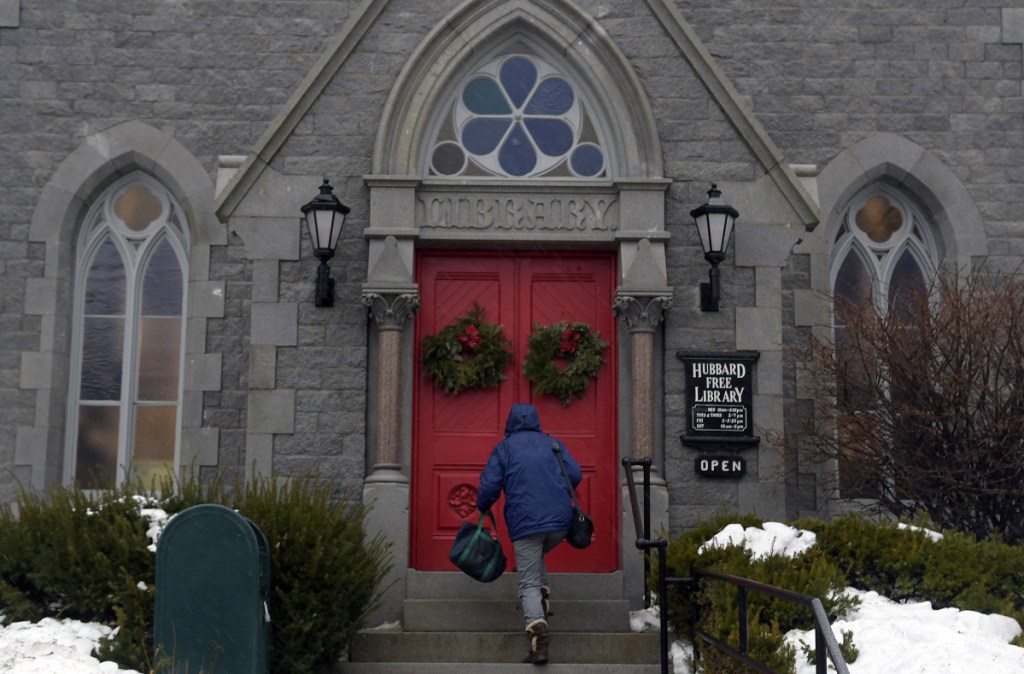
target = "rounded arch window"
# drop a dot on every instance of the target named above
(517, 116)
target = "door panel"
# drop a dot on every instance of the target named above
(453, 435)
(579, 290)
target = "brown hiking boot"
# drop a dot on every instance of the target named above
(538, 633)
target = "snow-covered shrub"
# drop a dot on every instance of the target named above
(90, 556)
(910, 563)
(72, 554)
(807, 572)
(878, 556)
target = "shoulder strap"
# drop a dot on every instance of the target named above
(561, 464)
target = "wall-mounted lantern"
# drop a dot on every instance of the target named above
(714, 222)
(324, 216)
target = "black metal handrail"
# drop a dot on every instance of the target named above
(824, 639)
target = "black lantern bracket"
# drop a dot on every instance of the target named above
(324, 217)
(714, 221)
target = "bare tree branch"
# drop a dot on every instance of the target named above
(923, 408)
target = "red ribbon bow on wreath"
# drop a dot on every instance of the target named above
(562, 359)
(470, 338)
(570, 340)
(469, 353)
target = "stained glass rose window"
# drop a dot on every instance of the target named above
(518, 117)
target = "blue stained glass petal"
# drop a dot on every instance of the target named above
(553, 136)
(483, 97)
(517, 157)
(587, 161)
(553, 97)
(518, 75)
(481, 136)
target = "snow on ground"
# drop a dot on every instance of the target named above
(773, 539)
(53, 647)
(909, 638)
(891, 637)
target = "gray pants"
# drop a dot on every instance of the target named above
(533, 574)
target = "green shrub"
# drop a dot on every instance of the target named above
(72, 554)
(877, 556)
(69, 554)
(898, 562)
(956, 571)
(985, 576)
(765, 643)
(325, 575)
(680, 558)
(769, 618)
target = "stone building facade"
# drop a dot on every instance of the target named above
(161, 150)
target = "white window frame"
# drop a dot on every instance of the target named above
(548, 65)
(136, 249)
(880, 259)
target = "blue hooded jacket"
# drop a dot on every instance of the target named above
(537, 500)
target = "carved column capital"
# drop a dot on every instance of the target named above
(391, 309)
(640, 311)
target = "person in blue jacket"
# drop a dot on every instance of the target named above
(538, 510)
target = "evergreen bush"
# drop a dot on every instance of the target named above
(325, 575)
(72, 554)
(769, 618)
(69, 554)
(956, 571)
(902, 563)
(875, 556)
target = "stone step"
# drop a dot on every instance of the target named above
(480, 668)
(446, 585)
(505, 615)
(577, 648)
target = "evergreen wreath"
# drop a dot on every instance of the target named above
(469, 353)
(577, 345)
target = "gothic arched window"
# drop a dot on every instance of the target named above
(517, 116)
(882, 249)
(127, 336)
(884, 256)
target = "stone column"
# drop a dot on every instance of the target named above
(642, 313)
(390, 311)
(386, 490)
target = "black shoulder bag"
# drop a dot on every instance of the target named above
(582, 528)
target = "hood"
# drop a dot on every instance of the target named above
(522, 417)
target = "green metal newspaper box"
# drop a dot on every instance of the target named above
(212, 594)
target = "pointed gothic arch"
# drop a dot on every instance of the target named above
(99, 162)
(934, 223)
(893, 160)
(558, 27)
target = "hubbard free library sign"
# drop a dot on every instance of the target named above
(719, 410)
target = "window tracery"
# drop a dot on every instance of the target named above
(128, 327)
(517, 116)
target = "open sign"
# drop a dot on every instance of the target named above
(720, 466)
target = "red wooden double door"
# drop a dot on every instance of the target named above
(454, 434)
